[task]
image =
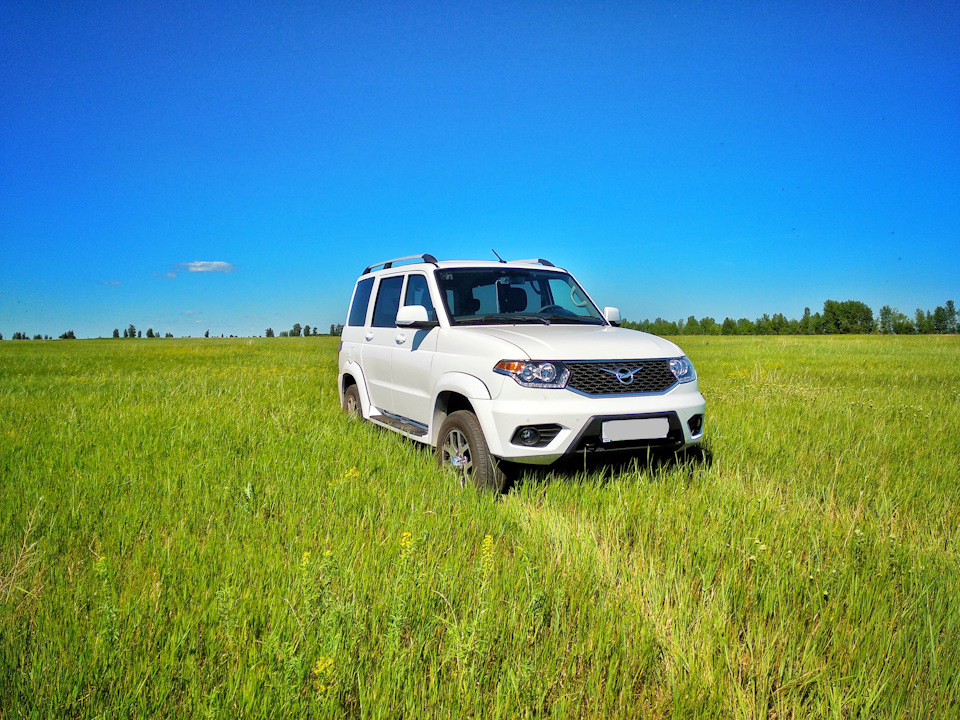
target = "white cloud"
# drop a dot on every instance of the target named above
(197, 266)
(202, 266)
(112, 283)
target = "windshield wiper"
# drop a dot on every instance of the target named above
(575, 319)
(504, 319)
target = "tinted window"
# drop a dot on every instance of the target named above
(388, 302)
(418, 293)
(361, 297)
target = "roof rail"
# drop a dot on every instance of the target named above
(537, 261)
(389, 263)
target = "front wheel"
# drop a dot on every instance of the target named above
(462, 449)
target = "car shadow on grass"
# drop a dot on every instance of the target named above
(596, 468)
(602, 468)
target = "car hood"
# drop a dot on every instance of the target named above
(580, 342)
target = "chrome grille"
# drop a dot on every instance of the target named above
(602, 377)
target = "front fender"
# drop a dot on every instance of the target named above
(470, 386)
(460, 383)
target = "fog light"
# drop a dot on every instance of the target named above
(529, 436)
(696, 424)
(535, 436)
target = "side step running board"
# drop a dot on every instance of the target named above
(398, 424)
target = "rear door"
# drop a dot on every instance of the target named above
(351, 338)
(379, 340)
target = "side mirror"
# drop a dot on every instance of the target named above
(612, 316)
(414, 316)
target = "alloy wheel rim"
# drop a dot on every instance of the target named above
(457, 455)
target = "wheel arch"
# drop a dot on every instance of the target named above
(353, 375)
(455, 391)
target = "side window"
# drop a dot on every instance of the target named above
(388, 302)
(569, 297)
(361, 298)
(564, 296)
(418, 293)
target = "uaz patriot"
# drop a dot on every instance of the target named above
(508, 361)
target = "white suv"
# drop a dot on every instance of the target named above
(490, 361)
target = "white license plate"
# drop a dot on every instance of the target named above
(638, 429)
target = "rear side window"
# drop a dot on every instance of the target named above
(361, 297)
(388, 302)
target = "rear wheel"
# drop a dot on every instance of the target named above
(351, 402)
(462, 449)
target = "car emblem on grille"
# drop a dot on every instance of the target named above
(624, 375)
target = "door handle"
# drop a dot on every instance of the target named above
(368, 336)
(401, 338)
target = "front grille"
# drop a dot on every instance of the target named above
(638, 376)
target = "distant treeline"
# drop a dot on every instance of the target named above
(19, 335)
(131, 332)
(335, 329)
(837, 318)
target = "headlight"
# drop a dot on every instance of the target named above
(682, 369)
(534, 374)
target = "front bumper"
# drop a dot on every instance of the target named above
(580, 420)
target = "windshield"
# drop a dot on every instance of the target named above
(507, 296)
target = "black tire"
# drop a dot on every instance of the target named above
(351, 403)
(462, 449)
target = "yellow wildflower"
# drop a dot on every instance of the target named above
(322, 675)
(322, 666)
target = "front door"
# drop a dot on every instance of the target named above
(413, 352)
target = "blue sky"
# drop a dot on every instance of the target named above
(231, 167)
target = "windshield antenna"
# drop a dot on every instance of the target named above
(498, 257)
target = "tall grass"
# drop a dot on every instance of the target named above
(192, 528)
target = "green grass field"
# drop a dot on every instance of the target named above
(190, 528)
